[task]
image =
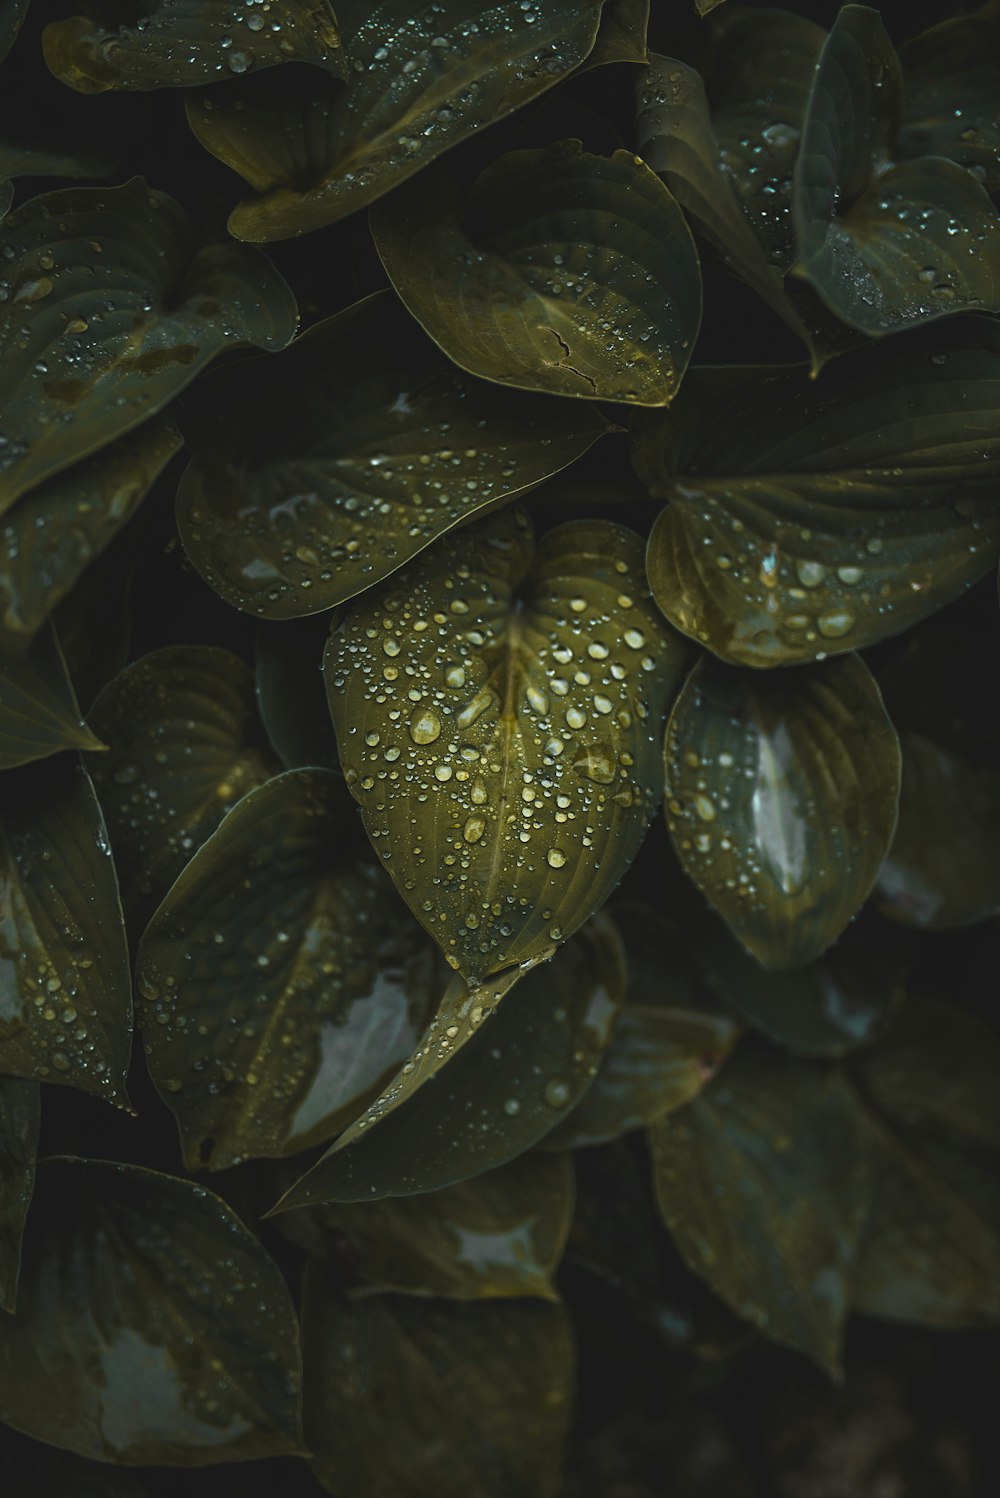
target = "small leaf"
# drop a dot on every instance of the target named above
(65, 984)
(564, 272)
(781, 792)
(497, 710)
(951, 77)
(20, 1111)
(165, 1327)
(166, 44)
(107, 315)
(321, 471)
(479, 1393)
(39, 713)
(280, 981)
(291, 698)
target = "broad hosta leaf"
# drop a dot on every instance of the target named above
(58, 528)
(884, 249)
(181, 43)
(319, 472)
(622, 34)
(281, 980)
(479, 1394)
(813, 517)
(497, 711)
(419, 80)
(184, 745)
(499, 1235)
(563, 272)
(20, 1111)
(65, 986)
(495, 1071)
(106, 315)
(161, 1321)
(39, 713)
(781, 794)
(12, 13)
(765, 1182)
(291, 699)
(951, 77)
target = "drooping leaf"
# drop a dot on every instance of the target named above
(622, 34)
(107, 315)
(496, 1070)
(479, 1394)
(951, 77)
(812, 517)
(65, 984)
(781, 793)
(291, 699)
(20, 1110)
(164, 1326)
(764, 1182)
(166, 44)
(563, 272)
(39, 713)
(281, 980)
(418, 82)
(497, 709)
(184, 745)
(318, 473)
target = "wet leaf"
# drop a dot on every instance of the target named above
(12, 13)
(319, 472)
(39, 713)
(813, 517)
(107, 315)
(622, 34)
(496, 1070)
(497, 710)
(36, 161)
(166, 44)
(184, 745)
(291, 699)
(499, 1235)
(65, 984)
(479, 1394)
(764, 1182)
(417, 84)
(281, 980)
(563, 272)
(951, 77)
(20, 1110)
(161, 1321)
(781, 793)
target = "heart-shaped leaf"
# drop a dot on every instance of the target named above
(321, 471)
(39, 713)
(781, 794)
(497, 709)
(20, 1112)
(65, 985)
(166, 1328)
(812, 517)
(417, 82)
(166, 44)
(296, 959)
(184, 745)
(106, 315)
(951, 77)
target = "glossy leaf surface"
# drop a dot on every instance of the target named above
(20, 1110)
(167, 1330)
(563, 272)
(318, 473)
(951, 76)
(39, 713)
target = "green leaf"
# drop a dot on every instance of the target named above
(20, 1111)
(288, 663)
(65, 985)
(166, 44)
(813, 517)
(951, 78)
(418, 82)
(184, 745)
(107, 315)
(321, 471)
(622, 34)
(495, 1071)
(704, 7)
(563, 272)
(39, 713)
(35, 161)
(499, 1235)
(479, 1394)
(12, 13)
(497, 710)
(280, 981)
(764, 1182)
(781, 793)
(165, 1327)
(57, 529)
(884, 247)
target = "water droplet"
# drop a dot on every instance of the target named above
(557, 1092)
(425, 726)
(474, 829)
(555, 858)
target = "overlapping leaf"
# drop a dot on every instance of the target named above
(563, 272)
(39, 713)
(36, 161)
(951, 76)
(622, 34)
(20, 1110)
(319, 472)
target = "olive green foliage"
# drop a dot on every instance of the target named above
(499, 745)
